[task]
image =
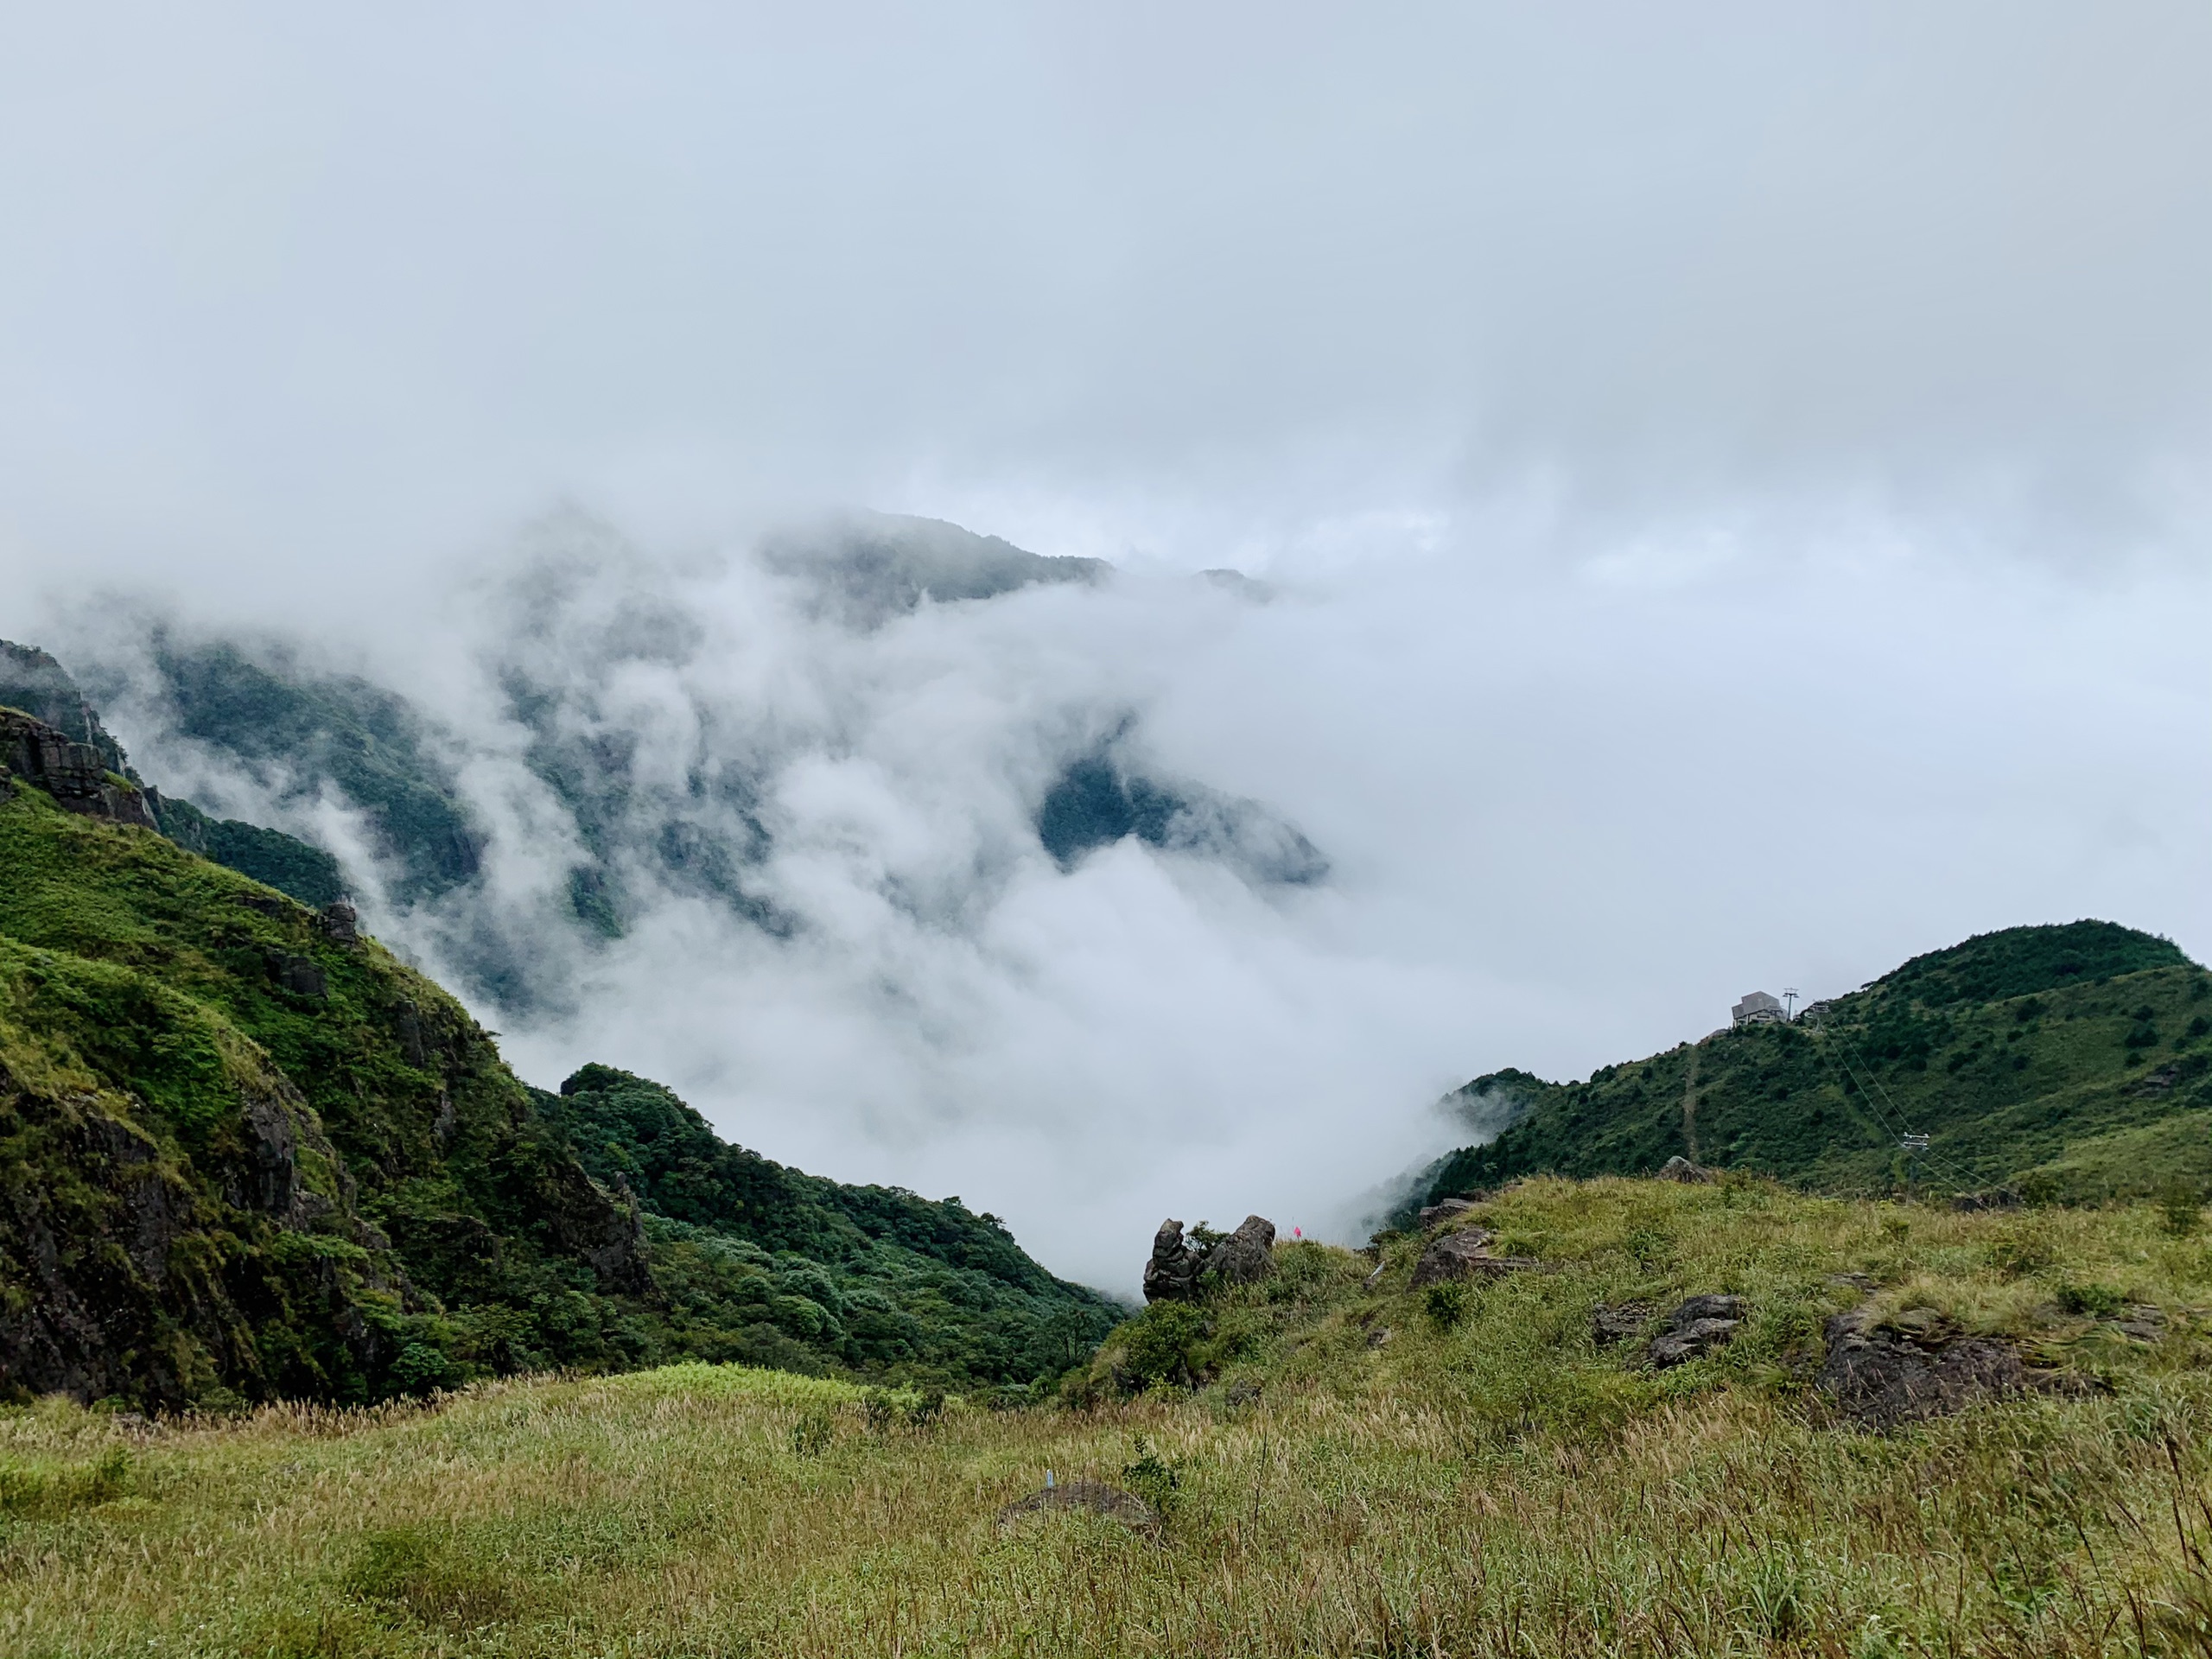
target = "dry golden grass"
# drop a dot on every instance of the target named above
(1497, 1487)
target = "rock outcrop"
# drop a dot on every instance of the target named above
(1172, 1274)
(1247, 1256)
(1914, 1365)
(1464, 1255)
(1678, 1169)
(1697, 1327)
(76, 774)
(1179, 1267)
(1621, 1322)
(1444, 1211)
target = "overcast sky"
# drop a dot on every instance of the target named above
(1737, 474)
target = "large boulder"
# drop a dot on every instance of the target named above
(1172, 1274)
(1247, 1256)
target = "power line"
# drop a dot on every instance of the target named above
(1958, 1175)
(1875, 1098)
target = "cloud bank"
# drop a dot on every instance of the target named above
(1567, 817)
(1730, 483)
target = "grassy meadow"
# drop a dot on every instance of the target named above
(1366, 1470)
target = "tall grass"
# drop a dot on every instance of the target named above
(1489, 1485)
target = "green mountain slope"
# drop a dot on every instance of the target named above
(244, 1153)
(33, 683)
(316, 731)
(2074, 1059)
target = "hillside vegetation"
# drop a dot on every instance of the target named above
(1364, 1469)
(33, 684)
(245, 1154)
(2071, 1062)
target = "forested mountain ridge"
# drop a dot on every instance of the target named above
(2074, 1061)
(246, 1152)
(867, 1275)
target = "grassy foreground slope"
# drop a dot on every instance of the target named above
(244, 1154)
(2075, 1061)
(1481, 1480)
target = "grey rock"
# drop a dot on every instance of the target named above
(2143, 1322)
(1444, 1212)
(1701, 1325)
(1179, 1267)
(1622, 1322)
(298, 974)
(1464, 1255)
(1091, 1496)
(1172, 1274)
(341, 924)
(1247, 1256)
(76, 775)
(1880, 1375)
(1691, 1341)
(415, 1039)
(1709, 1307)
(1678, 1169)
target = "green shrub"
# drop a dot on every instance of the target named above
(34, 1492)
(2023, 1248)
(2097, 1301)
(1446, 1303)
(1151, 1480)
(422, 1369)
(1161, 1344)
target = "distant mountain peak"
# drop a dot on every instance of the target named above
(868, 568)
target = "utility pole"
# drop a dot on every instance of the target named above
(1916, 1145)
(1790, 1002)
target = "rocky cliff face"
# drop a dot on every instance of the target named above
(76, 774)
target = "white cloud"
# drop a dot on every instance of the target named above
(1731, 474)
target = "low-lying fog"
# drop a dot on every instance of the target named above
(1566, 818)
(1722, 490)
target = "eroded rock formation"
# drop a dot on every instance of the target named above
(1179, 1267)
